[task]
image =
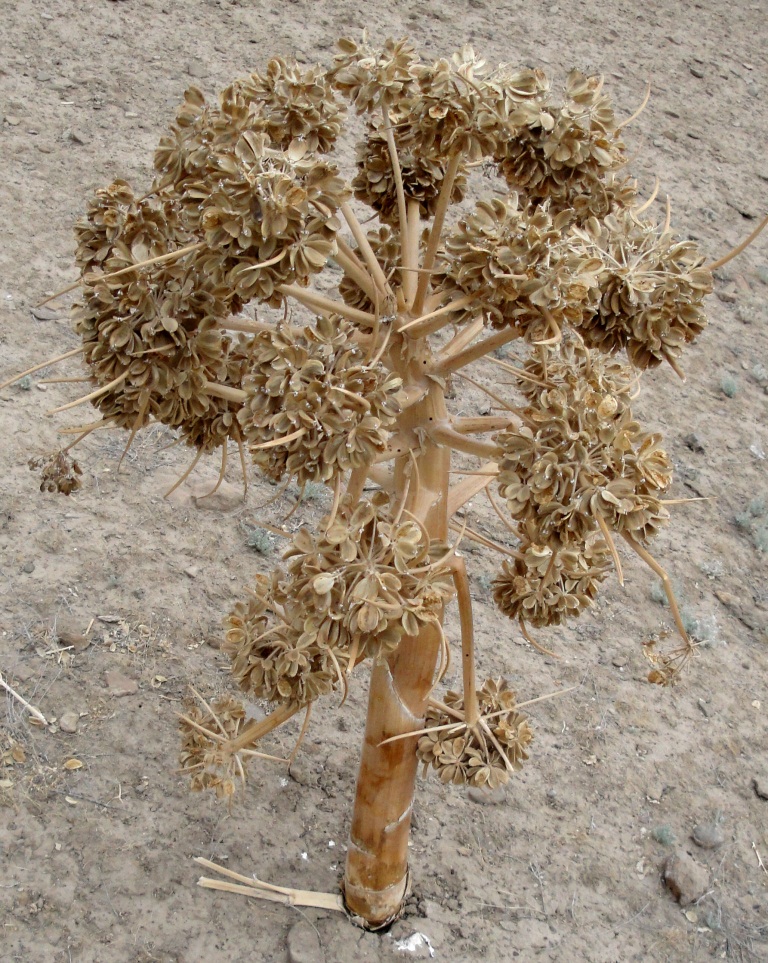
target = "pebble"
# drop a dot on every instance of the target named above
(196, 70)
(697, 72)
(193, 571)
(619, 660)
(75, 136)
(119, 684)
(28, 568)
(12, 120)
(44, 313)
(708, 836)
(760, 784)
(694, 442)
(685, 878)
(68, 721)
(487, 797)
(304, 944)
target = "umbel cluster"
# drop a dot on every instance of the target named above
(347, 386)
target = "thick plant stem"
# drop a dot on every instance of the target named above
(376, 878)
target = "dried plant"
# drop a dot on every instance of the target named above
(349, 388)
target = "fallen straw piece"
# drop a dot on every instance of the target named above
(257, 889)
(30, 708)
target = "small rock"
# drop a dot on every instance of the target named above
(670, 135)
(619, 660)
(28, 568)
(72, 638)
(697, 72)
(304, 944)
(684, 878)
(410, 941)
(226, 498)
(708, 836)
(694, 442)
(196, 70)
(68, 721)
(760, 784)
(12, 120)
(487, 797)
(119, 684)
(193, 571)
(729, 600)
(44, 313)
(75, 136)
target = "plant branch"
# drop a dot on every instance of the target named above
(444, 435)
(448, 363)
(443, 201)
(318, 302)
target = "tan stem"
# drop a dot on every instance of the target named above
(227, 392)
(411, 253)
(449, 363)
(464, 338)
(470, 426)
(471, 706)
(443, 434)
(376, 876)
(365, 249)
(258, 728)
(437, 319)
(44, 364)
(437, 229)
(401, 205)
(460, 494)
(318, 302)
(247, 327)
(350, 265)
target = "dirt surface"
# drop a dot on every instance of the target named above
(116, 589)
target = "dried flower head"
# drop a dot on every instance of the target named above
(546, 585)
(275, 654)
(370, 78)
(314, 387)
(580, 457)
(293, 107)
(422, 171)
(58, 473)
(484, 755)
(204, 755)
(555, 151)
(367, 579)
(521, 272)
(652, 289)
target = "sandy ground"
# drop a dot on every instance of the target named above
(566, 865)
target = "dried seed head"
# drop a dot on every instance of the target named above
(652, 288)
(422, 169)
(559, 151)
(202, 757)
(58, 473)
(464, 755)
(548, 585)
(580, 454)
(316, 380)
(516, 264)
(372, 78)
